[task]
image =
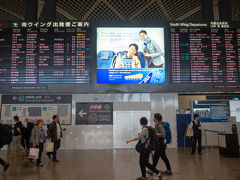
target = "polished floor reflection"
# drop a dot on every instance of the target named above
(121, 165)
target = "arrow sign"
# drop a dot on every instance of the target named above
(81, 113)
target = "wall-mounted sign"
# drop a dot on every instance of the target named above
(36, 107)
(36, 99)
(94, 113)
(211, 111)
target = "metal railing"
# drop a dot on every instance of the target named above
(208, 130)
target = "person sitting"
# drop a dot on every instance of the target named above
(129, 60)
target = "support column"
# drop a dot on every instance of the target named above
(50, 10)
(207, 10)
(31, 10)
(225, 10)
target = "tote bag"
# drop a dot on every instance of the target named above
(33, 154)
(49, 146)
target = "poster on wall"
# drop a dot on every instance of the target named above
(235, 110)
(211, 111)
(36, 107)
(133, 55)
(94, 113)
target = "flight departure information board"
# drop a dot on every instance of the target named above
(63, 56)
(205, 53)
(36, 54)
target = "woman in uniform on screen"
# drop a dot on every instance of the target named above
(128, 60)
(152, 52)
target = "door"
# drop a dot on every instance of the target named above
(123, 130)
(127, 126)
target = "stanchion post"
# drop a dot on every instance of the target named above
(205, 139)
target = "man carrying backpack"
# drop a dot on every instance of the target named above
(161, 133)
(17, 133)
(144, 140)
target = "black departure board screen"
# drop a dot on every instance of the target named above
(205, 53)
(63, 56)
(34, 55)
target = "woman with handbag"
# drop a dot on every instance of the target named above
(143, 149)
(37, 139)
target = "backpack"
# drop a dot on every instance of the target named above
(153, 142)
(168, 137)
(5, 134)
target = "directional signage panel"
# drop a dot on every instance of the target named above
(36, 107)
(94, 113)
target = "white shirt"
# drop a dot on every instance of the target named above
(191, 124)
(58, 131)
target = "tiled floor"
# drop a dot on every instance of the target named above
(121, 165)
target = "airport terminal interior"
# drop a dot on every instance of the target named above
(119, 90)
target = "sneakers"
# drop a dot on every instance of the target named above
(149, 172)
(56, 161)
(40, 164)
(5, 167)
(160, 175)
(167, 172)
(141, 178)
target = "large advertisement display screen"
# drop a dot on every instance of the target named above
(130, 55)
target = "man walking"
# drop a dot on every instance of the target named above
(54, 134)
(160, 151)
(17, 134)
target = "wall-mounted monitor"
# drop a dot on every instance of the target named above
(211, 110)
(45, 56)
(130, 55)
(205, 55)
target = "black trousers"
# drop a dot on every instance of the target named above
(2, 162)
(28, 141)
(57, 145)
(161, 153)
(40, 146)
(144, 163)
(195, 139)
(23, 140)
